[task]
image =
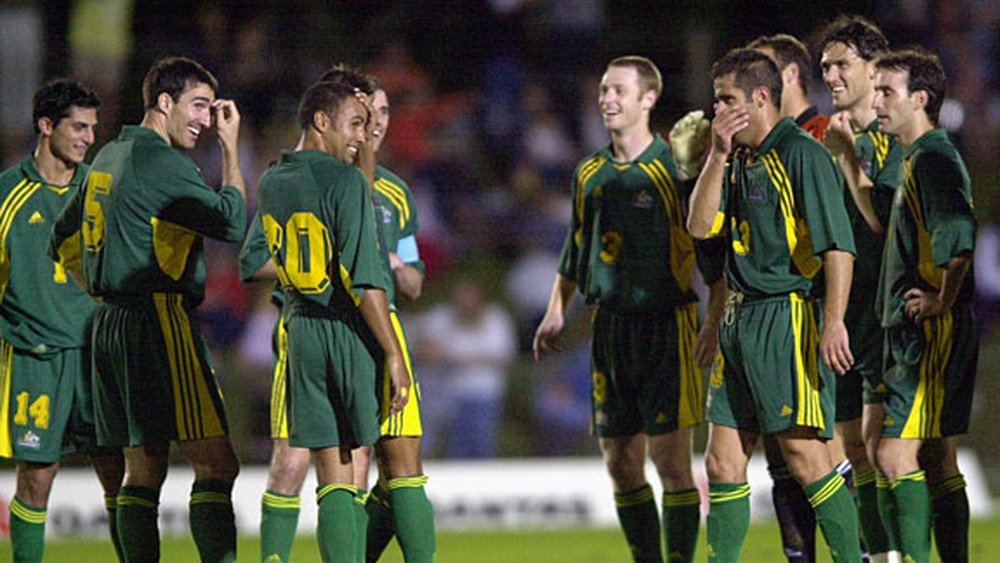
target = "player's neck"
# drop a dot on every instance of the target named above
(770, 121)
(157, 121)
(53, 170)
(795, 107)
(627, 145)
(917, 128)
(861, 113)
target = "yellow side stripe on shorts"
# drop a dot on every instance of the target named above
(691, 410)
(208, 497)
(682, 498)
(726, 496)
(827, 491)
(6, 363)
(321, 492)
(915, 476)
(128, 500)
(407, 482)
(634, 497)
(26, 513)
(809, 412)
(272, 500)
(924, 420)
(279, 389)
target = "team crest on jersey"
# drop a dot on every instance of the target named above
(30, 440)
(757, 193)
(642, 200)
(866, 165)
(386, 216)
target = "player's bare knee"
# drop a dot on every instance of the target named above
(34, 482)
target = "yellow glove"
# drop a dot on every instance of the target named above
(688, 140)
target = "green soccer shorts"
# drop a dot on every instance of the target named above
(153, 375)
(644, 375)
(930, 376)
(767, 377)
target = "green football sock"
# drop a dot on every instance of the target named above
(27, 531)
(137, 526)
(380, 526)
(728, 520)
(213, 524)
(906, 513)
(640, 522)
(360, 525)
(337, 532)
(413, 517)
(111, 507)
(868, 514)
(279, 517)
(681, 517)
(950, 503)
(836, 516)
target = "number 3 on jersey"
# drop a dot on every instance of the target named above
(301, 250)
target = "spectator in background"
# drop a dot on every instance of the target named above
(987, 271)
(470, 343)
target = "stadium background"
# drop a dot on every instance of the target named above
(493, 104)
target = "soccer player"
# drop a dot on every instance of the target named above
(45, 320)
(142, 214)
(628, 253)
(925, 299)
(794, 63)
(774, 192)
(871, 162)
(314, 196)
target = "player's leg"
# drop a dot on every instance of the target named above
(335, 493)
(624, 459)
(361, 459)
(726, 457)
(796, 519)
(109, 465)
(866, 484)
(281, 500)
(671, 455)
(213, 523)
(809, 461)
(861, 478)
(28, 509)
(905, 502)
(949, 500)
(139, 499)
(401, 474)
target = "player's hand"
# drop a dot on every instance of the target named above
(835, 347)
(370, 108)
(922, 305)
(689, 138)
(707, 345)
(399, 382)
(226, 122)
(395, 262)
(547, 336)
(729, 120)
(839, 138)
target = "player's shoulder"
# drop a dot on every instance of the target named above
(383, 174)
(591, 163)
(11, 177)
(796, 142)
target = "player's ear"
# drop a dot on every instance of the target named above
(45, 125)
(320, 121)
(648, 100)
(790, 74)
(164, 102)
(920, 99)
(761, 96)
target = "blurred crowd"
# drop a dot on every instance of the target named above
(493, 103)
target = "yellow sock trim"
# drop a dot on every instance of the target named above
(414, 482)
(111, 502)
(274, 500)
(727, 496)
(865, 477)
(208, 497)
(881, 482)
(361, 498)
(915, 476)
(688, 497)
(948, 486)
(631, 498)
(27, 513)
(327, 489)
(127, 500)
(828, 490)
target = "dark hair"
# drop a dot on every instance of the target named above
(344, 73)
(787, 50)
(55, 98)
(325, 97)
(174, 75)
(858, 33)
(752, 70)
(924, 72)
(649, 75)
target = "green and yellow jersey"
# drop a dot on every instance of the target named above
(318, 220)
(396, 217)
(142, 214)
(782, 207)
(41, 307)
(931, 223)
(627, 247)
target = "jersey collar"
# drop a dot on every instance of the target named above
(930, 136)
(31, 172)
(647, 156)
(778, 132)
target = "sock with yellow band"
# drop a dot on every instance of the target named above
(640, 522)
(836, 515)
(213, 523)
(413, 517)
(360, 525)
(728, 520)
(906, 513)
(137, 522)
(27, 531)
(337, 531)
(381, 528)
(681, 517)
(950, 504)
(868, 514)
(279, 518)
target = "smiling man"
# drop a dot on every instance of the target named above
(628, 253)
(142, 214)
(925, 300)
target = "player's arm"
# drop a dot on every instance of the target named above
(840, 142)
(706, 198)
(549, 330)
(922, 304)
(838, 266)
(255, 259)
(374, 307)
(409, 280)
(226, 120)
(708, 337)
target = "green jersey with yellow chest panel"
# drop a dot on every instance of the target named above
(142, 215)
(627, 248)
(783, 205)
(317, 216)
(396, 216)
(931, 223)
(42, 309)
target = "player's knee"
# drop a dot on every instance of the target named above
(723, 469)
(34, 482)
